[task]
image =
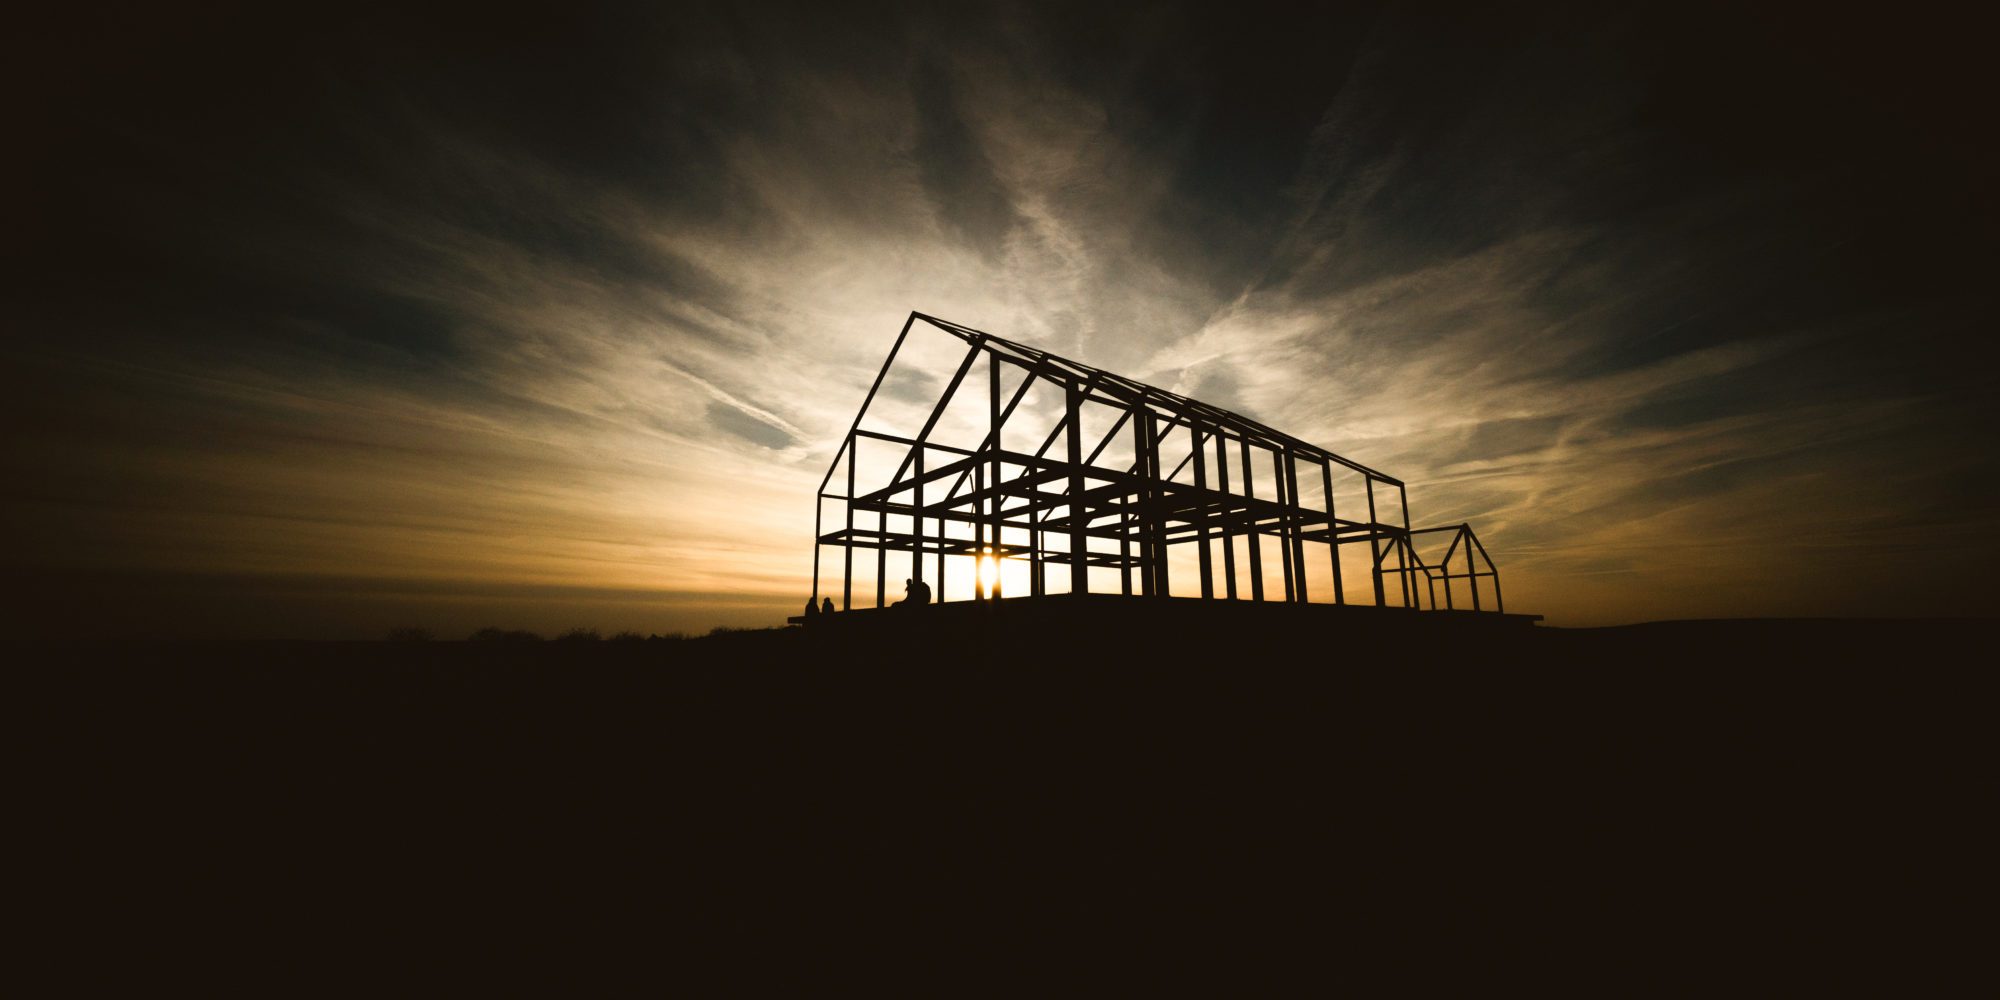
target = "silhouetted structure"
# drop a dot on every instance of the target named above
(1138, 476)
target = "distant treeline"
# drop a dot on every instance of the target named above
(493, 633)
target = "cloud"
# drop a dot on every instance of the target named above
(748, 427)
(771, 423)
(603, 328)
(957, 173)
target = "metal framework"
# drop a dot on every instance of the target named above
(1238, 487)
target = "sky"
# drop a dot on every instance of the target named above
(334, 321)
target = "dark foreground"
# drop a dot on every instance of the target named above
(1492, 803)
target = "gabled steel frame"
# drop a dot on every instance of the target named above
(1040, 498)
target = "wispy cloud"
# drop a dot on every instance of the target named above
(611, 343)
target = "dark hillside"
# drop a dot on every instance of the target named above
(1798, 779)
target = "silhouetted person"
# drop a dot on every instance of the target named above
(826, 607)
(812, 610)
(918, 592)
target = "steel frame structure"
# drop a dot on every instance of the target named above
(1049, 509)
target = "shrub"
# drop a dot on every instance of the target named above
(579, 634)
(494, 634)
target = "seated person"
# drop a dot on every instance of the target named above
(918, 592)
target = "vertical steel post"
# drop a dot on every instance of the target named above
(1285, 502)
(1201, 529)
(1298, 524)
(1375, 547)
(1125, 544)
(1142, 432)
(1255, 539)
(1449, 569)
(1079, 571)
(1409, 579)
(1036, 565)
(993, 412)
(1472, 567)
(917, 519)
(1037, 568)
(1158, 522)
(1125, 524)
(1332, 531)
(1228, 537)
(847, 587)
(978, 530)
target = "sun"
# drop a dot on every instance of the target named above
(989, 571)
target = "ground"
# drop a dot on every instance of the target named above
(1792, 782)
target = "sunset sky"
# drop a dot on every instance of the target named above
(336, 323)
